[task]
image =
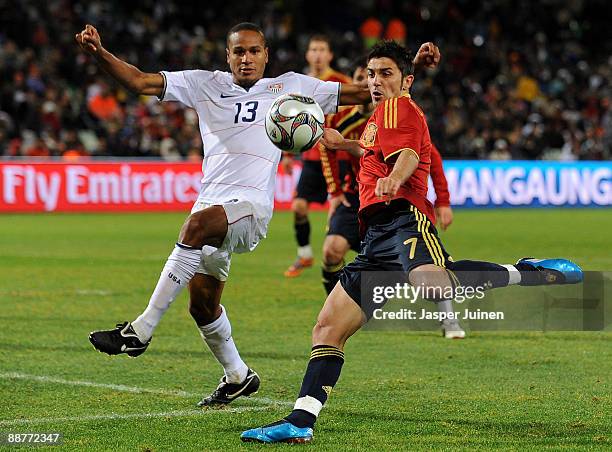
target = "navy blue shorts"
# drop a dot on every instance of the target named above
(312, 186)
(345, 222)
(405, 241)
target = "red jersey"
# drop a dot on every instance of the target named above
(328, 76)
(439, 179)
(350, 122)
(397, 125)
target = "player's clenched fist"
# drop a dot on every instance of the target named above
(387, 187)
(89, 39)
(332, 139)
(428, 55)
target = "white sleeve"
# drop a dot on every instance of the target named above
(326, 94)
(184, 86)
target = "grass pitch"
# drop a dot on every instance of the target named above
(64, 275)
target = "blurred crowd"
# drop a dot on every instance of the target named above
(519, 79)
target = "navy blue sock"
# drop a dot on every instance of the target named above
(302, 231)
(321, 376)
(479, 273)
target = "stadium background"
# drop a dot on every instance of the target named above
(518, 80)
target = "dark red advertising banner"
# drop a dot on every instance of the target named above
(110, 186)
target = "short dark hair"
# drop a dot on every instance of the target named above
(396, 52)
(246, 26)
(321, 38)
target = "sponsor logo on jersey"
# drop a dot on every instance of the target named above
(275, 88)
(223, 96)
(369, 135)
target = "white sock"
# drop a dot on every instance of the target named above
(446, 306)
(514, 274)
(305, 252)
(218, 337)
(178, 271)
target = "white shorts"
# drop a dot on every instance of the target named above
(246, 227)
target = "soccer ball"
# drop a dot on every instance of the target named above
(294, 123)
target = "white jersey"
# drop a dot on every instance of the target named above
(240, 162)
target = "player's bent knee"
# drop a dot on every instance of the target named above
(332, 255)
(433, 278)
(327, 333)
(418, 276)
(335, 248)
(424, 274)
(300, 208)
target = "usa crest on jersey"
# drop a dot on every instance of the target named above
(275, 88)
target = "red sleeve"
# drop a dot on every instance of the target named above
(400, 128)
(329, 162)
(331, 170)
(439, 179)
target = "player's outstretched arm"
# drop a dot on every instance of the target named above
(351, 94)
(406, 163)
(333, 140)
(129, 76)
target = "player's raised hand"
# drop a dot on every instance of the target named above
(89, 39)
(334, 203)
(428, 55)
(332, 139)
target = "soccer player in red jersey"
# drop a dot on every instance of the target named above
(311, 186)
(396, 222)
(343, 228)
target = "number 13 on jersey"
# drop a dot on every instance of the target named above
(248, 110)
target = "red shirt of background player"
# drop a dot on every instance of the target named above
(439, 179)
(351, 124)
(328, 76)
(398, 124)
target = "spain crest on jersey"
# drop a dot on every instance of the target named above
(275, 88)
(369, 135)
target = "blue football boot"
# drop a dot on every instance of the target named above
(552, 271)
(278, 432)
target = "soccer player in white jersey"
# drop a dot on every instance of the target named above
(234, 207)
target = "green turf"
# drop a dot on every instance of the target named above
(64, 275)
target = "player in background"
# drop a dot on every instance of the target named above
(396, 221)
(311, 186)
(343, 226)
(234, 207)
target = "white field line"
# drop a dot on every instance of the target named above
(114, 416)
(124, 388)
